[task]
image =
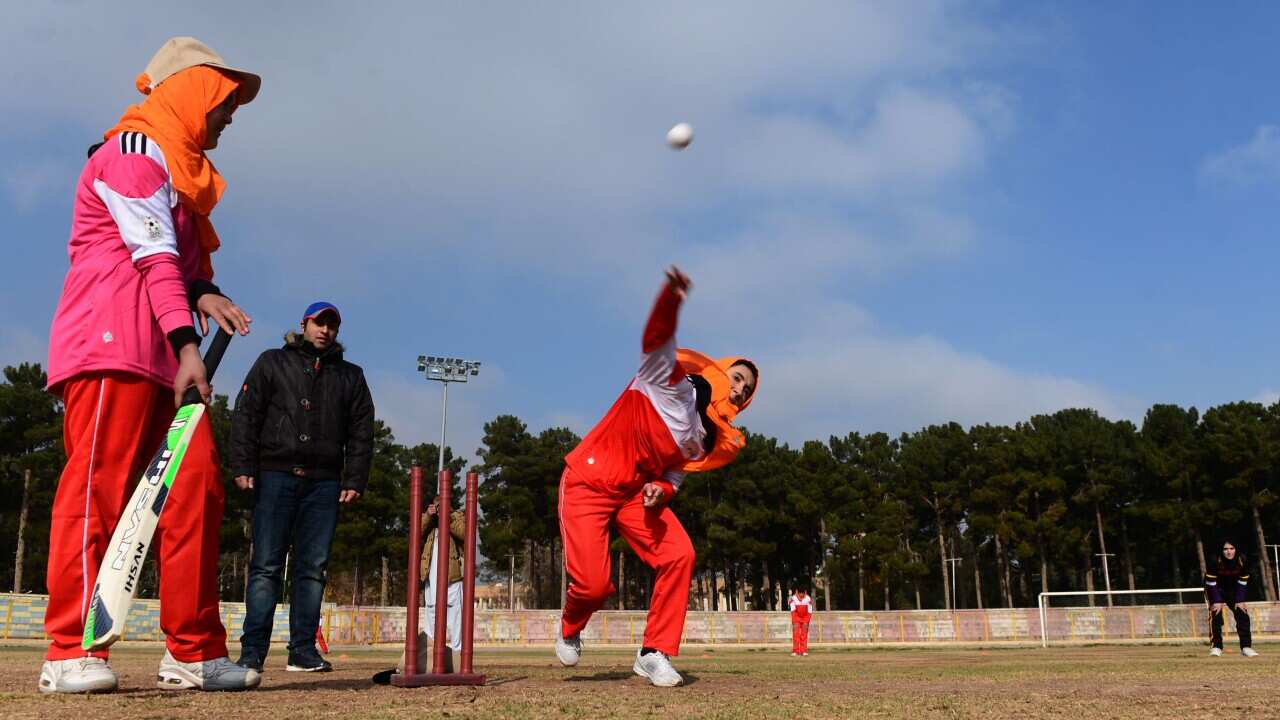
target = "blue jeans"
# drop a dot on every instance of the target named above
(297, 517)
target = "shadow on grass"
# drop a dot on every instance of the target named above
(689, 678)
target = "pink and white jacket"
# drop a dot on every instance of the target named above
(135, 256)
(654, 427)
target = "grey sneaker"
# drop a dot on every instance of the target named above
(568, 649)
(77, 675)
(657, 667)
(1248, 652)
(217, 674)
(1216, 652)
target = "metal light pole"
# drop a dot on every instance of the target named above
(446, 370)
(954, 561)
(1106, 573)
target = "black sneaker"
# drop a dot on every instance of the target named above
(250, 659)
(308, 661)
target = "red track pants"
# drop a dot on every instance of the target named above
(114, 423)
(799, 636)
(653, 533)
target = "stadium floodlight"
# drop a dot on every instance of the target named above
(446, 370)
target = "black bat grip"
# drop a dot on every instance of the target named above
(211, 359)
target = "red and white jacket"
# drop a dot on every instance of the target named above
(801, 608)
(654, 427)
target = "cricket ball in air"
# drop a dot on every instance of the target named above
(680, 136)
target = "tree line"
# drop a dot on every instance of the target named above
(942, 517)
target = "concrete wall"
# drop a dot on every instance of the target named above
(22, 616)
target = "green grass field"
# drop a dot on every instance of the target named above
(1113, 681)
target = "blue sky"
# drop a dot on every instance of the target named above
(907, 213)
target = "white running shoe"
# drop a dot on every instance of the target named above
(657, 668)
(217, 674)
(78, 675)
(1248, 652)
(1216, 652)
(568, 649)
(794, 654)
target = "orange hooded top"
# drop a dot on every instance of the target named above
(173, 115)
(721, 412)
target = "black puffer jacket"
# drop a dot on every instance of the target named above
(305, 412)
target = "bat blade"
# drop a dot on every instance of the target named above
(117, 582)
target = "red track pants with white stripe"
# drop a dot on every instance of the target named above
(799, 636)
(653, 533)
(114, 423)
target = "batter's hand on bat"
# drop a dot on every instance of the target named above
(348, 496)
(190, 374)
(244, 482)
(652, 494)
(225, 313)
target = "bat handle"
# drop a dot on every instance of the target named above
(211, 360)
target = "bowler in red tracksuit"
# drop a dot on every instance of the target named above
(674, 417)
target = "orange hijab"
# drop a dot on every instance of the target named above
(173, 115)
(721, 412)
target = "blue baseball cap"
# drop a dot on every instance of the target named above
(316, 309)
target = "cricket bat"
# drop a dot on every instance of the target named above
(118, 576)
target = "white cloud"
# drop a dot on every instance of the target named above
(1252, 163)
(867, 382)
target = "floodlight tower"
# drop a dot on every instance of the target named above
(446, 370)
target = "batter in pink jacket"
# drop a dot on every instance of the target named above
(122, 350)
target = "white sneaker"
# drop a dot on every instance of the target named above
(217, 674)
(794, 654)
(1248, 652)
(657, 668)
(568, 649)
(1216, 652)
(78, 675)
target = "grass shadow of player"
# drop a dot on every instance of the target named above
(314, 683)
(689, 679)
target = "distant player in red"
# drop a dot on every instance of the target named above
(801, 613)
(674, 417)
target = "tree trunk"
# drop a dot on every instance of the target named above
(1200, 553)
(622, 581)
(1267, 579)
(382, 592)
(1044, 572)
(1102, 542)
(1002, 566)
(22, 531)
(886, 589)
(977, 580)
(1022, 587)
(942, 559)
(355, 586)
(826, 573)
(1177, 572)
(862, 606)
(1128, 557)
(915, 584)
(1088, 572)
(564, 580)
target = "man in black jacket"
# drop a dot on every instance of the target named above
(302, 440)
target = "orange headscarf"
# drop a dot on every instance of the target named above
(173, 115)
(721, 412)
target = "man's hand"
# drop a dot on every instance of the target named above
(244, 482)
(653, 495)
(1217, 607)
(348, 496)
(190, 373)
(679, 282)
(225, 313)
